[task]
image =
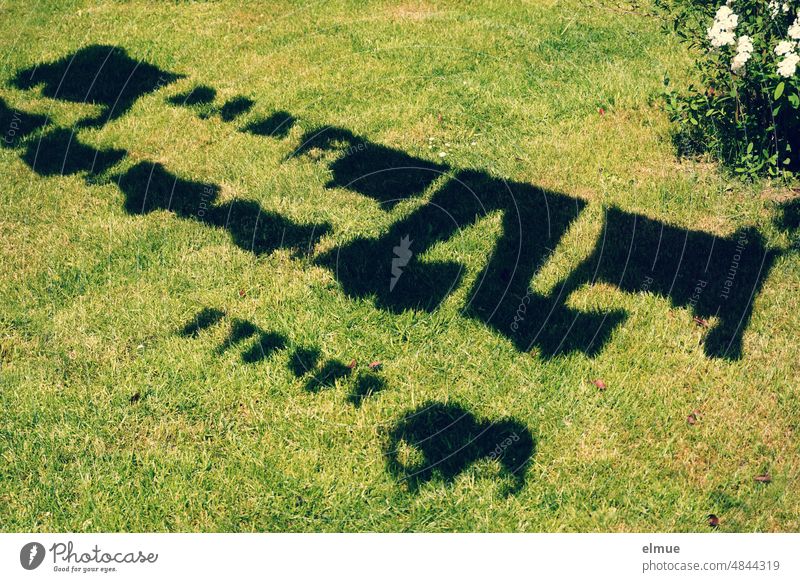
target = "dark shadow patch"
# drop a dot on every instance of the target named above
(98, 74)
(327, 376)
(789, 218)
(235, 107)
(240, 330)
(303, 360)
(259, 231)
(276, 125)
(267, 344)
(366, 385)
(16, 125)
(59, 152)
(148, 187)
(387, 269)
(711, 276)
(378, 172)
(199, 95)
(449, 438)
(206, 318)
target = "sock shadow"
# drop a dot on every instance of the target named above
(201, 99)
(235, 107)
(366, 385)
(99, 74)
(207, 317)
(447, 439)
(276, 125)
(266, 342)
(789, 216)
(327, 375)
(194, 97)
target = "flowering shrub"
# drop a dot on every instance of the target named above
(746, 110)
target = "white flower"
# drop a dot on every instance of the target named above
(784, 47)
(776, 7)
(744, 51)
(788, 66)
(794, 29)
(721, 31)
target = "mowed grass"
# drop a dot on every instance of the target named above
(111, 420)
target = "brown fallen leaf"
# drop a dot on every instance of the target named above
(242, 292)
(713, 520)
(691, 420)
(375, 365)
(765, 478)
(352, 365)
(700, 321)
(600, 384)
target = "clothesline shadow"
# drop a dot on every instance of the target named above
(715, 278)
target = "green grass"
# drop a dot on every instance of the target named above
(111, 420)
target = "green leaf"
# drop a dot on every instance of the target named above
(779, 90)
(750, 148)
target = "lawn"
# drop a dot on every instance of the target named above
(380, 266)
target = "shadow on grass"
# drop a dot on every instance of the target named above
(266, 342)
(439, 441)
(276, 125)
(150, 187)
(207, 317)
(365, 386)
(379, 172)
(201, 100)
(17, 125)
(97, 74)
(713, 277)
(60, 153)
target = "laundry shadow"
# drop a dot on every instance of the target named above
(201, 100)
(327, 375)
(389, 270)
(265, 345)
(196, 96)
(366, 385)
(205, 318)
(303, 360)
(235, 107)
(149, 187)
(382, 173)
(16, 125)
(439, 441)
(98, 74)
(60, 152)
(713, 277)
(789, 216)
(276, 125)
